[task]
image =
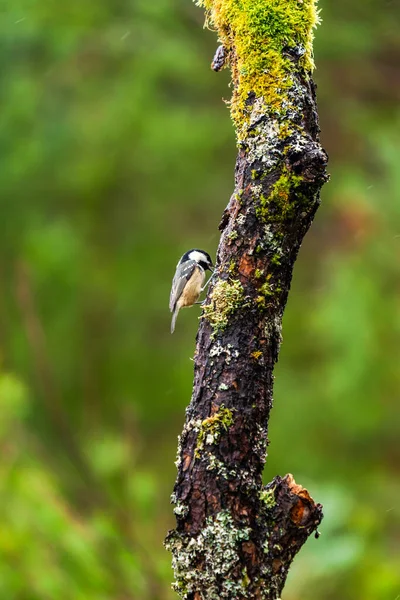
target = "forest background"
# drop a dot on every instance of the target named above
(117, 155)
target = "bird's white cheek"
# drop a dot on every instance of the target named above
(197, 256)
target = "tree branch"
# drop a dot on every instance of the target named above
(236, 538)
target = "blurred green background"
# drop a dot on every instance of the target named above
(117, 155)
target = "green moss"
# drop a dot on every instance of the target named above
(257, 34)
(226, 298)
(276, 206)
(267, 497)
(245, 579)
(260, 300)
(232, 267)
(265, 289)
(258, 273)
(239, 195)
(211, 428)
(233, 235)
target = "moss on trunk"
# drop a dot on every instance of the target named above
(260, 37)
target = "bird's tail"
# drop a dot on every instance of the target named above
(174, 317)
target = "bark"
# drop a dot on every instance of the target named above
(236, 538)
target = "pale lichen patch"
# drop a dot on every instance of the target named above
(217, 549)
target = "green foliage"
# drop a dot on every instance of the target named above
(117, 156)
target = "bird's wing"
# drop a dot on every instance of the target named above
(179, 281)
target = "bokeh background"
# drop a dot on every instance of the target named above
(117, 155)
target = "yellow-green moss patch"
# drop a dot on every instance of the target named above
(258, 34)
(211, 428)
(278, 199)
(267, 497)
(226, 297)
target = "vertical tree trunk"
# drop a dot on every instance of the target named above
(236, 538)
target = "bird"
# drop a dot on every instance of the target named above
(188, 281)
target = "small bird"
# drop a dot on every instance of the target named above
(188, 280)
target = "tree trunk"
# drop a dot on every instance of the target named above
(236, 538)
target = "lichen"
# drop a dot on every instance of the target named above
(211, 428)
(273, 330)
(191, 425)
(216, 465)
(217, 349)
(259, 36)
(225, 299)
(181, 510)
(272, 245)
(217, 549)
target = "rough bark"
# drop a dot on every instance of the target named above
(236, 538)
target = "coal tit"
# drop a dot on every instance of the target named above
(188, 281)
